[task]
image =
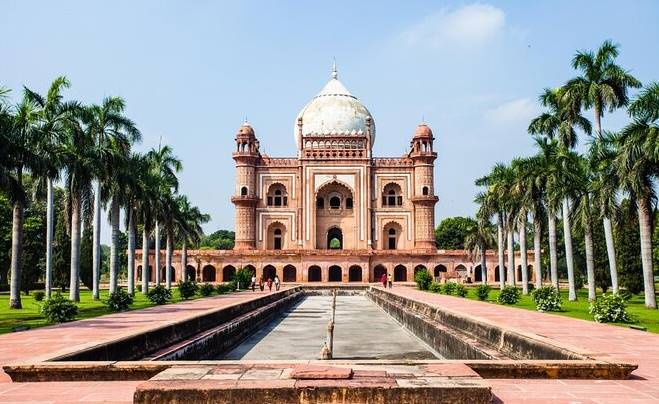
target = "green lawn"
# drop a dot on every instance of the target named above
(579, 309)
(30, 316)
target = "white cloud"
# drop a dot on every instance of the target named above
(467, 26)
(517, 111)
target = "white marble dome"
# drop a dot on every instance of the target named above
(334, 111)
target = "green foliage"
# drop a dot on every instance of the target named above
(243, 277)
(39, 295)
(610, 308)
(188, 289)
(119, 300)
(59, 309)
(483, 291)
(61, 243)
(547, 298)
(625, 294)
(159, 294)
(509, 295)
(86, 258)
(219, 240)
(206, 289)
(628, 249)
(423, 279)
(34, 245)
(452, 231)
(335, 244)
(449, 288)
(224, 288)
(435, 287)
(460, 290)
(578, 279)
(5, 239)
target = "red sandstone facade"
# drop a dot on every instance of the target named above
(333, 213)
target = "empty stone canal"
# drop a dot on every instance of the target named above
(362, 331)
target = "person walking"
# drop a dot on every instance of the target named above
(383, 280)
(391, 281)
(277, 283)
(261, 284)
(253, 282)
(270, 284)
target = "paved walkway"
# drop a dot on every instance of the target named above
(602, 341)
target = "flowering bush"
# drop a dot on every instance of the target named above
(547, 298)
(509, 295)
(119, 300)
(483, 291)
(610, 308)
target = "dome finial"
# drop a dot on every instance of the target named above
(334, 73)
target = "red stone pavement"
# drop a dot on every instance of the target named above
(602, 341)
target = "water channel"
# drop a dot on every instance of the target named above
(362, 331)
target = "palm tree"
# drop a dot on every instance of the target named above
(112, 133)
(560, 122)
(172, 218)
(477, 240)
(54, 118)
(20, 134)
(189, 228)
(602, 85)
(80, 166)
(637, 162)
(134, 193)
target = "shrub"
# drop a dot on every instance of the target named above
(578, 280)
(206, 289)
(423, 279)
(59, 309)
(243, 277)
(119, 300)
(39, 295)
(224, 288)
(449, 288)
(187, 289)
(460, 290)
(625, 294)
(435, 287)
(159, 295)
(483, 291)
(610, 308)
(547, 298)
(509, 295)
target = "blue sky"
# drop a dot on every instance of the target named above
(191, 71)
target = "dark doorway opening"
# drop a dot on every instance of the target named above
(335, 239)
(335, 273)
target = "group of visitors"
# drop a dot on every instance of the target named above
(387, 280)
(269, 282)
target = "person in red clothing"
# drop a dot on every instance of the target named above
(383, 279)
(270, 284)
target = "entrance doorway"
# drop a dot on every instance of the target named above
(335, 239)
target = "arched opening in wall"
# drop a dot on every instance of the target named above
(518, 274)
(269, 272)
(462, 272)
(243, 191)
(348, 203)
(439, 269)
(172, 271)
(139, 272)
(335, 202)
(190, 273)
(277, 195)
(152, 274)
(497, 277)
(378, 271)
(290, 273)
(391, 236)
(530, 274)
(400, 273)
(334, 239)
(418, 268)
(208, 273)
(314, 274)
(355, 273)
(335, 274)
(478, 273)
(276, 236)
(228, 273)
(320, 203)
(277, 239)
(392, 195)
(529, 271)
(425, 191)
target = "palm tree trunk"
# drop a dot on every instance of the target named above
(16, 254)
(184, 261)
(611, 252)
(511, 256)
(502, 273)
(523, 257)
(145, 260)
(537, 249)
(569, 256)
(50, 221)
(645, 228)
(553, 249)
(96, 243)
(74, 281)
(114, 246)
(168, 260)
(590, 259)
(157, 253)
(131, 250)
(483, 248)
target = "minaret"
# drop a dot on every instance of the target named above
(246, 155)
(424, 198)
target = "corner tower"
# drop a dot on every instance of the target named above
(245, 199)
(424, 198)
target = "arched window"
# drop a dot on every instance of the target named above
(243, 191)
(335, 202)
(425, 190)
(392, 195)
(348, 203)
(320, 203)
(277, 239)
(277, 195)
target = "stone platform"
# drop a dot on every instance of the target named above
(304, 383)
